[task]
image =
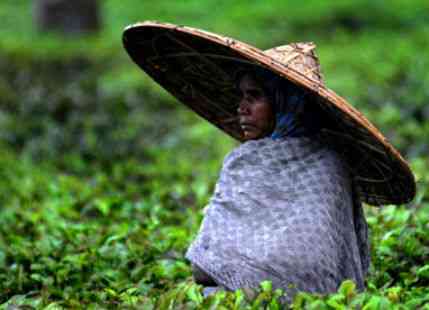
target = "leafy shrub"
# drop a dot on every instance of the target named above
(103, 177)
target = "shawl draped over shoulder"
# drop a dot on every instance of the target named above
(285, 211)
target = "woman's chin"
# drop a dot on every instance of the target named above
(251, 135)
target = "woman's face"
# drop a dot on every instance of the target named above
(255, 112)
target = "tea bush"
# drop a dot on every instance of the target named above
(103, 175)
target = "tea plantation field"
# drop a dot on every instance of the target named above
(103, 175)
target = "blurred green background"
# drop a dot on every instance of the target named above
(103, 174)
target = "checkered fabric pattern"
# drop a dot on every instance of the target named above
(283, 210)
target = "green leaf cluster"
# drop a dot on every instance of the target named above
(103, 176)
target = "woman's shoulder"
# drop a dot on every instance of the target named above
(307, 150)
(249, 149)
(291, 145)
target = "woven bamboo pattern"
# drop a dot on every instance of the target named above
(198, 68)
(299, 56)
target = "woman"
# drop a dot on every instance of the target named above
(287, 205)
(284, 208)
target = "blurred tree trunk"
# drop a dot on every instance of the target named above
(67, 16)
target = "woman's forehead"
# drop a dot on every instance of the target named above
(249, 81)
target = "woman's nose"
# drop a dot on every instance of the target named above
(242, 107)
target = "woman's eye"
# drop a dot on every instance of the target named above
(256, 94)
(250, 95)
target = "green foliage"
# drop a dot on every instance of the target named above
(103, 176)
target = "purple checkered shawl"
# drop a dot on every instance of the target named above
(283, 210)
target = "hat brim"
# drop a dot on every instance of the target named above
(198, 68)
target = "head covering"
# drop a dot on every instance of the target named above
(289, 106)
(198, 67)
(294, 115)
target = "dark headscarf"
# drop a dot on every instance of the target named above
(295, 113)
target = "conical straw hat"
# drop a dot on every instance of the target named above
(198, 68)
